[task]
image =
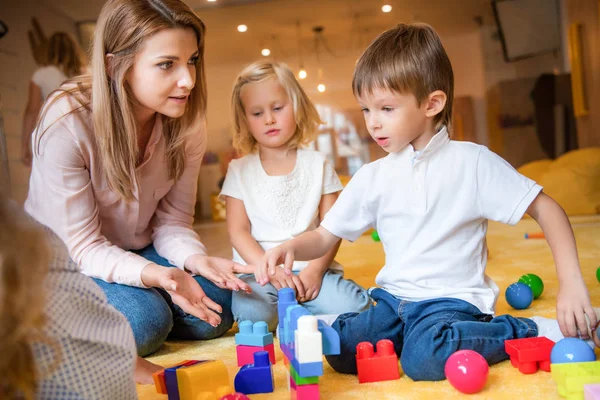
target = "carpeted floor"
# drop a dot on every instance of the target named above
(510, 257)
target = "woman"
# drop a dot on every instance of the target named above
(116, 162)
(65, 60)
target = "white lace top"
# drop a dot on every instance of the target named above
(281, 207)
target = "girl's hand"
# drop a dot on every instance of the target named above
(220, 271)
(281, 280)
(312, 281)
(573, 304)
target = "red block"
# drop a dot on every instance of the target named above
(304, 392)
(529, 354)
(377, 367)
(245, 354)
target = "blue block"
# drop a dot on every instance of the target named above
(288, 333)
(285, 349)
(306, 370)
(287, 298)
(256, 334)
(171, 380)
(331, 339)
(257, 377)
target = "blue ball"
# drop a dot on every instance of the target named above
(571, 350)
(519, 295)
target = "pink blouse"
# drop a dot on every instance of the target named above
(68, 192)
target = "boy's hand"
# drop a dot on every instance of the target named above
(281, 280)
(271, 260)
(312, 280)
(573, 304)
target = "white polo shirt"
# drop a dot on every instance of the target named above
(431, 210)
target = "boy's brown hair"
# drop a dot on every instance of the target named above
(408, 58)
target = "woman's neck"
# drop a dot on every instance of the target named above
(145, 128)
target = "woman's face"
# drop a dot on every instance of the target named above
(164, 73)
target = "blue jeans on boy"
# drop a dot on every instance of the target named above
(426, 333)
(154, 317)
(337, 296)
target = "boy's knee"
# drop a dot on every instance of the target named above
(423, 366)
(344, 364)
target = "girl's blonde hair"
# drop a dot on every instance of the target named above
(24, 259)
(66, 54)
(122, 28)
(305, 113)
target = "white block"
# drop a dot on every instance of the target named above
(309, 343)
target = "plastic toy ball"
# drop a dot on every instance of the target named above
(467, 371)
(571, 350)
(519, 296)
(235, 396)
(375, 236)
(598, 274)
(534, 282)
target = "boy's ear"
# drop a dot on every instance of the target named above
(436, 101)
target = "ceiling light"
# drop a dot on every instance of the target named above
(265, 52)
(242, 28)
(302, 74)
(321, 88)
(211, 1)
(386, 8)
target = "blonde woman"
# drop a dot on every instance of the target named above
(58, 336)
(116, 162)
(65, 60)
(279, 190)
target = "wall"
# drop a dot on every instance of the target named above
(16, 67)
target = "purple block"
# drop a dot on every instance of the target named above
(591, 391)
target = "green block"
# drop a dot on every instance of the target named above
(534, 282)
(598, 274)
(375, 236)
(302, 381)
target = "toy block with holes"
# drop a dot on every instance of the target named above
(159, 377)
(257, 377)
(572, 377)
(195, 380)
(253, 334)
(377, 366)
(529, 354)
(245, 354)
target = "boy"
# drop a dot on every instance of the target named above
(430, 200)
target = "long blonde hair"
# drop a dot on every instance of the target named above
(305, 113)
(66, 54)
(122, 27)
(24, 258)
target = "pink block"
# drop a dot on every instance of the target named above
(591, 391)
(304, 392)
(245, 354)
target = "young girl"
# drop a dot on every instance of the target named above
(115, 171)
(59, 338)
(279, 190)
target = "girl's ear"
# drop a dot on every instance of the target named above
(108, 63)
(436, 101)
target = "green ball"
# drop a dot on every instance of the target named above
(598, 274)
(534, 282)
(375, 236)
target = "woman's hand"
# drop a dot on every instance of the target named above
(184, 291)
(220, 271)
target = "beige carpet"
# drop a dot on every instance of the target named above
(510, 257)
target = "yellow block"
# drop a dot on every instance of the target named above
(570, 377)
(207, 380)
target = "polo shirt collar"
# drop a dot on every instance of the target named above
(436, 142)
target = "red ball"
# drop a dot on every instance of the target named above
(235, 396)
(467, 371)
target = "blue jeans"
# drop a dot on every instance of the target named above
(337, 296)
(426, 333)
(154, 317)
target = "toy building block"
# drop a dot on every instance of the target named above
(287, 298)
(171, 380)
(591, 392)
(257, 377)
(528, 354)
(206, 380)
(571, 377)
(308, 340)
(377, 367)
(256, 334)
(159, 377)
(306, 370)
(299, 380)
(331, 339)
(304, 392)
(245, 354)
